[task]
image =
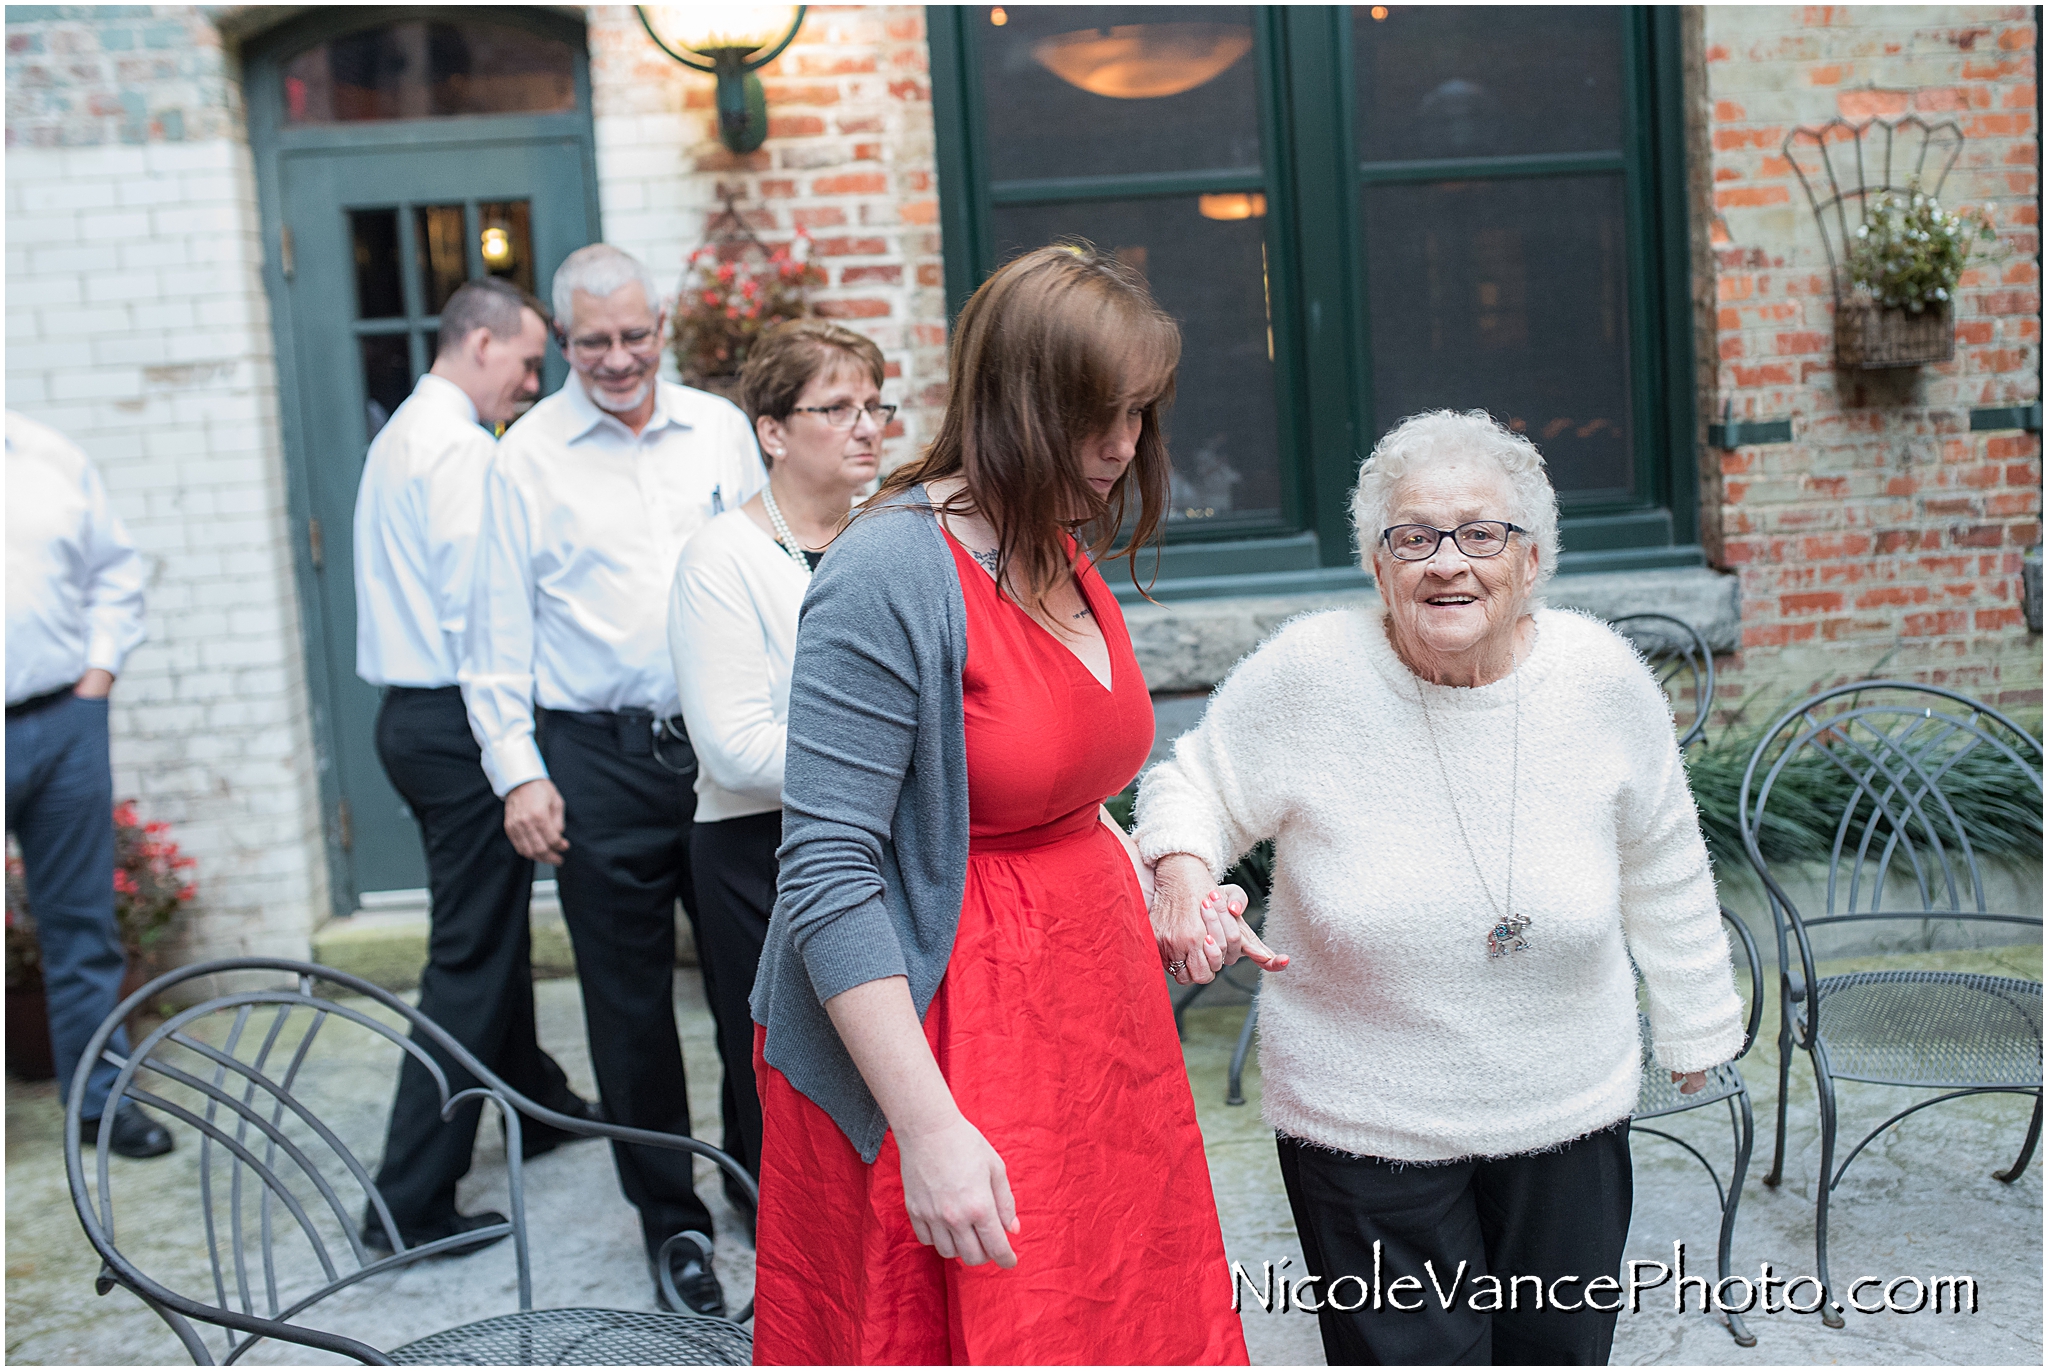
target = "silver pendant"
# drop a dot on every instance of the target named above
(1506, 936)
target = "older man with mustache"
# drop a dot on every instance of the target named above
(571, 692)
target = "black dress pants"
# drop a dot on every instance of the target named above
(478, 980)
(733, 861)
(627, 822)
(1559, 1213)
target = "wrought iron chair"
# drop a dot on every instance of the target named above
(1897, 755)
(1660, 1097)
(1682, 663)
(280, 1190)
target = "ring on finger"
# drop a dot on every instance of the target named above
(1176, 968)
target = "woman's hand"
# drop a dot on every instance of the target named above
(1200, 927)
(1690, 1082)
(957, 1193)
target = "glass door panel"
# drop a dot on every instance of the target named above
(1511, 296)
(380, 287)
(1209, 273)
(1118, 90)
(439, 235)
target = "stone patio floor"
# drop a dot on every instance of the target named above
(1920, 1202)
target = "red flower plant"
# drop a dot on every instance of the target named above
(732, 293)
(150, 886)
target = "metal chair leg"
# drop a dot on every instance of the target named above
(1244, 1042)
(1777, 1171)
(1745, 1141)
(2013, 1172)
(1825, 1087)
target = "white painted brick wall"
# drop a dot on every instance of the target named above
(137, 324)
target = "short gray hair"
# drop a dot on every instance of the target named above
(1439, 434)
(599, 270)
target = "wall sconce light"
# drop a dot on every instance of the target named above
(737, 40)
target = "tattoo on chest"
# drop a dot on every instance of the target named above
(1082, 613)
(988, 560)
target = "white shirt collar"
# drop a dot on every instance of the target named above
(585, 414)
(441, 390)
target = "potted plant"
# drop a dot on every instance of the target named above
(733, 292)
(150, 887)
(1903, 262)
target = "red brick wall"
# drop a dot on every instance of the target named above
(1886, 536)
(849, 159)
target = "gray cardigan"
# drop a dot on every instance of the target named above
(874, 799)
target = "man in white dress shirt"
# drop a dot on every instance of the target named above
(417, 509)
(586, 508)
(74, 613)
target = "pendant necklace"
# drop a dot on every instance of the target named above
(1507, 934)
(782, 533)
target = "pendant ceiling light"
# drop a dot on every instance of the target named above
(1143, 61)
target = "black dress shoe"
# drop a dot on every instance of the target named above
(538, 1139)
(690, 1286)
(375, 1238)
(134, 1134)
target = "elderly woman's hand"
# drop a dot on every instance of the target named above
(1199, 925)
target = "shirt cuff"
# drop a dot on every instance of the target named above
(511, 764)
(103, 651)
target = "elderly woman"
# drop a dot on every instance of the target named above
(1480, 816)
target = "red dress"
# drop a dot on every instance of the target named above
(1054, 1030)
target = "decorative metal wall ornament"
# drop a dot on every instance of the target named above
(1867, 163)
(732, 42)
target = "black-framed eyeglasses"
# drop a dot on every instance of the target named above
(845, 414)
(637, 342)
(1478, 538)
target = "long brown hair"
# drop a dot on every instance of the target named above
(1042, 355)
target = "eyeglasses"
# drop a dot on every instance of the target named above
(1479, 538)
(638, 342)
(844, 415)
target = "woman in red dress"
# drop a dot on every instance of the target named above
(978, 1139)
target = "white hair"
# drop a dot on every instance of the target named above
(599, 270)
(1440, 435)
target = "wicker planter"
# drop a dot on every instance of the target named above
(1870, 336)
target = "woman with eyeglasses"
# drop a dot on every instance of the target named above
(980, 1143)
(813, 391)
(1479, 816)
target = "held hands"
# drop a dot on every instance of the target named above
(1690, 1082)
(1200, 926)
(957, 1193)
(533, 821)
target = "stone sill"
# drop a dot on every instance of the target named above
(1190, 645)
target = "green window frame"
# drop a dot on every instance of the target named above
(1312, 178)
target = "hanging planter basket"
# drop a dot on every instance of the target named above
(1871, 336)
(1849, 172)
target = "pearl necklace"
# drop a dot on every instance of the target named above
(782, 533)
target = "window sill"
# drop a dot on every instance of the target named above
(1191, 644)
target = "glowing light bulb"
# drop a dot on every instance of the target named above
(999, 16)
(497, 247)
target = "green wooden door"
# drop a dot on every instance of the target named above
(380, 239)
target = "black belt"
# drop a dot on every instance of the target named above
(38, 702)
(639, 733)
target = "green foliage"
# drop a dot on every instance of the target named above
(1908, 252)
(1993, 799)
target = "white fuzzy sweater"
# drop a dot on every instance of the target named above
(1392, 1033)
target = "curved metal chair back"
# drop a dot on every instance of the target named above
(1882, 765)
(283, 1186)
(1682, 663)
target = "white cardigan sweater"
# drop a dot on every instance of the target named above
(732, 613)
(1392, 1033)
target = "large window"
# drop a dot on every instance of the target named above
(1356, 214)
